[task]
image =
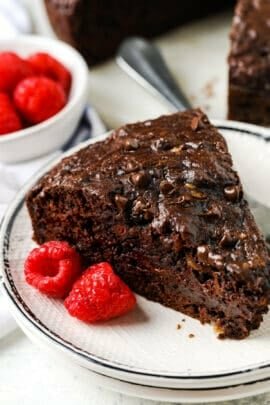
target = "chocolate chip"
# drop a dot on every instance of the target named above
(199, 195)
(131, 166)
(232, 193)
(161, 226)
(120, 230)
(176, 149)
(215, 260)
(120, 201)
(233, 268)
(190, 145)
(140, 205)
(190, 186)
(202, 253)
(245, 266)
(166, 187)
(161, 144)
(176, 243)
(213, 211)
(192, 264)
(142, 210)
(242, 236)
(154, 172)
(148, 215)
(132, 144)
(228, 240)
(183, 200)
(141, 179)
(85, 180)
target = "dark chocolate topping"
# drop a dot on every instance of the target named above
(190, 185)
(160, 200)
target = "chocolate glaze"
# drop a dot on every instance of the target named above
(161, 201)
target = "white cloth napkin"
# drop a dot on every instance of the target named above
(14, 20)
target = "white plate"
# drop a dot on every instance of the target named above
(140, 391)
(144, 347)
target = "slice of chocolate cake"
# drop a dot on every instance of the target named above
(249, 63)
(161, 202)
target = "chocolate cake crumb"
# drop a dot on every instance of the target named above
(191, 335)
(178, 326)
(209, 88)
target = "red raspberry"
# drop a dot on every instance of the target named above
(99, 294)
(12, 70)
(46, 65)
(38, 98)
(52, 268)
(9, 119)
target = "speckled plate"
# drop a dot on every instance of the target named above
(145, 347)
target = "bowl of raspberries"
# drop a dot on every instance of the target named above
(43, 92)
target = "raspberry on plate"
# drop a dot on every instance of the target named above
(9, 119)
(99, 294)
(38, 98)
(12, 70)
(46, 65)
(52, 268)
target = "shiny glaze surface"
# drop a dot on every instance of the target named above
(161, 201)
(174, 176)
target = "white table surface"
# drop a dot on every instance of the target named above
(196, 55)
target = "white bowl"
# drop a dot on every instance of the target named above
(51, 134)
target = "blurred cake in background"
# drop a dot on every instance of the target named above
(249, 63)
(97, 27)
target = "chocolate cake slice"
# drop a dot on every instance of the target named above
(96, 28)
(160, 201)
(249, 63)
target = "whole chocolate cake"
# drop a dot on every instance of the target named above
(160, 201)
(249, 63)
(97, 27)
